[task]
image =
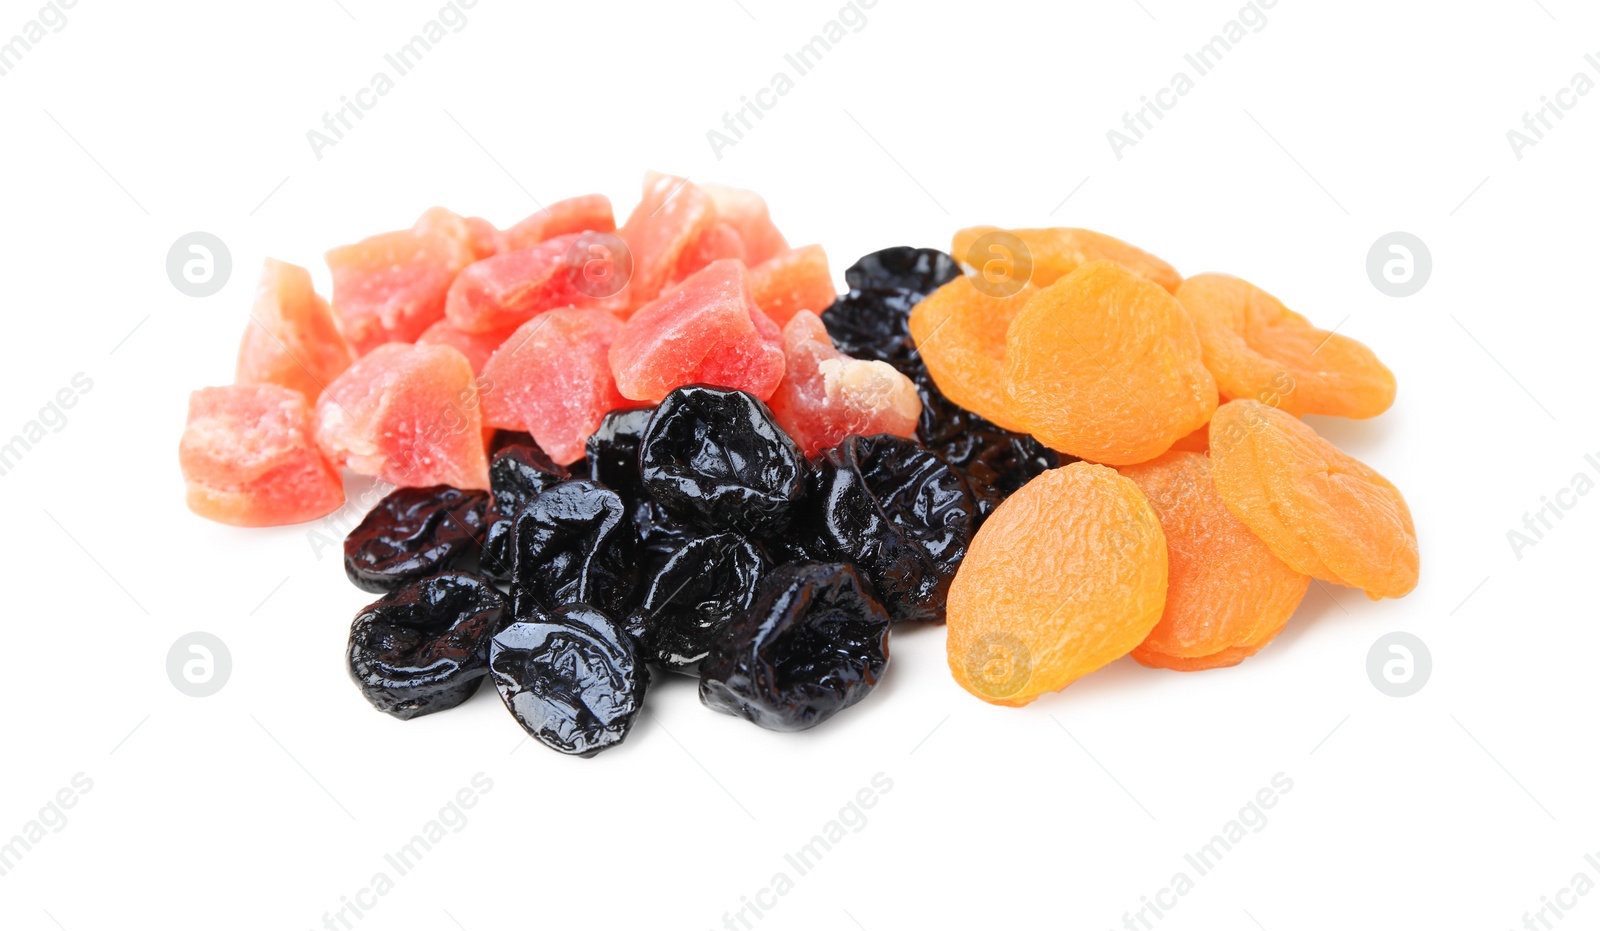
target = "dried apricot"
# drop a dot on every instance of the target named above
(1259, 349)
(1324, 513)
(960, 332)
(1106, 366)
(1056, 252)
(1227, 595)
(1064, 577)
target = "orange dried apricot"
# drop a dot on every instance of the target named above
(1067, 575)
(1106, 366)
(1227, 595)
(960, 332)
(1259, 349)
(1325, 513)
(1059, 251)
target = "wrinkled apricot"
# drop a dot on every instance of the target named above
(1059, 251)
(1227, 595)
(1105, 366)
(1067, 575)
(1324, 513)
(1257, 348)
(960, 333)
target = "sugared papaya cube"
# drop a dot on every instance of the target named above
(392, 286)
(707, 330)
(719, 241)
(671, 215)
(746, 212)
(248, 458)
(477, 347)
(508, 289)
(826, 396)
(792, 281)
(291, 339)
(552, 378)
(408, 414)
(573, 215)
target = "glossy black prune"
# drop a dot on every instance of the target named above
(613, 450)
(873, 323)
(896, 511)
(919, 270)
(715, 459)
(424, 646)
(574, 543)
(571, 679)
(995, 461)
(814, 642)
(517, 475)
(414, 532)
(693, 596)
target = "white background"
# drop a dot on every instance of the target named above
(268, 803)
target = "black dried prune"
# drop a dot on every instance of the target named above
(693, 596)
(570, 678)
(424, 646)
(919, 270)
(898, 512)
(414, 532)
(517, 475)
(813, 643)
(714, 458)
(873, 323)
(613, 450)
(574, 543)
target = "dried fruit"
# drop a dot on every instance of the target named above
(1324, 513)
(693, 596)
(1067, 575)
(248, 458)
(613, 461)
(552, 378)
(424, 646)
(872, 324)
(1227, 595)
(574, 543)
(792, 281)
(573, 215)
(518, 473)
(960, 333)
(414, 532)
(671, 215)
(813, 643)
(511, 288)
(719, 241)
(291, 339)
(826, 395)
(1055, 253)
(1106, 366)
(707, 330)
(1259, 349)
(392, 286)
(477, 347)
(897, 512)
(716, 459)
(570, 678)
(408, 415)
(747, 213)
(921, 271)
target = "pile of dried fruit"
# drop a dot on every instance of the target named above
(672, 445)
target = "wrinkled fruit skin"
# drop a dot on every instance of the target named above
(898, 513)
(424, 646)
(919, 270)
(716, 458)
(693, 597)
(517, 474)
(570, 678)
(813, 643)
(574, 543)
(613, 461)
(414, 532)
(872, 323)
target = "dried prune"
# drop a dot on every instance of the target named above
(570, 678)
(414, 532)
(693, 596)
(814, 642)
(574, 543)
(716, 459)
(517, 475)
(613, 450)
(899, 513)
(873, 323)
(424, 646)
(919, 270)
